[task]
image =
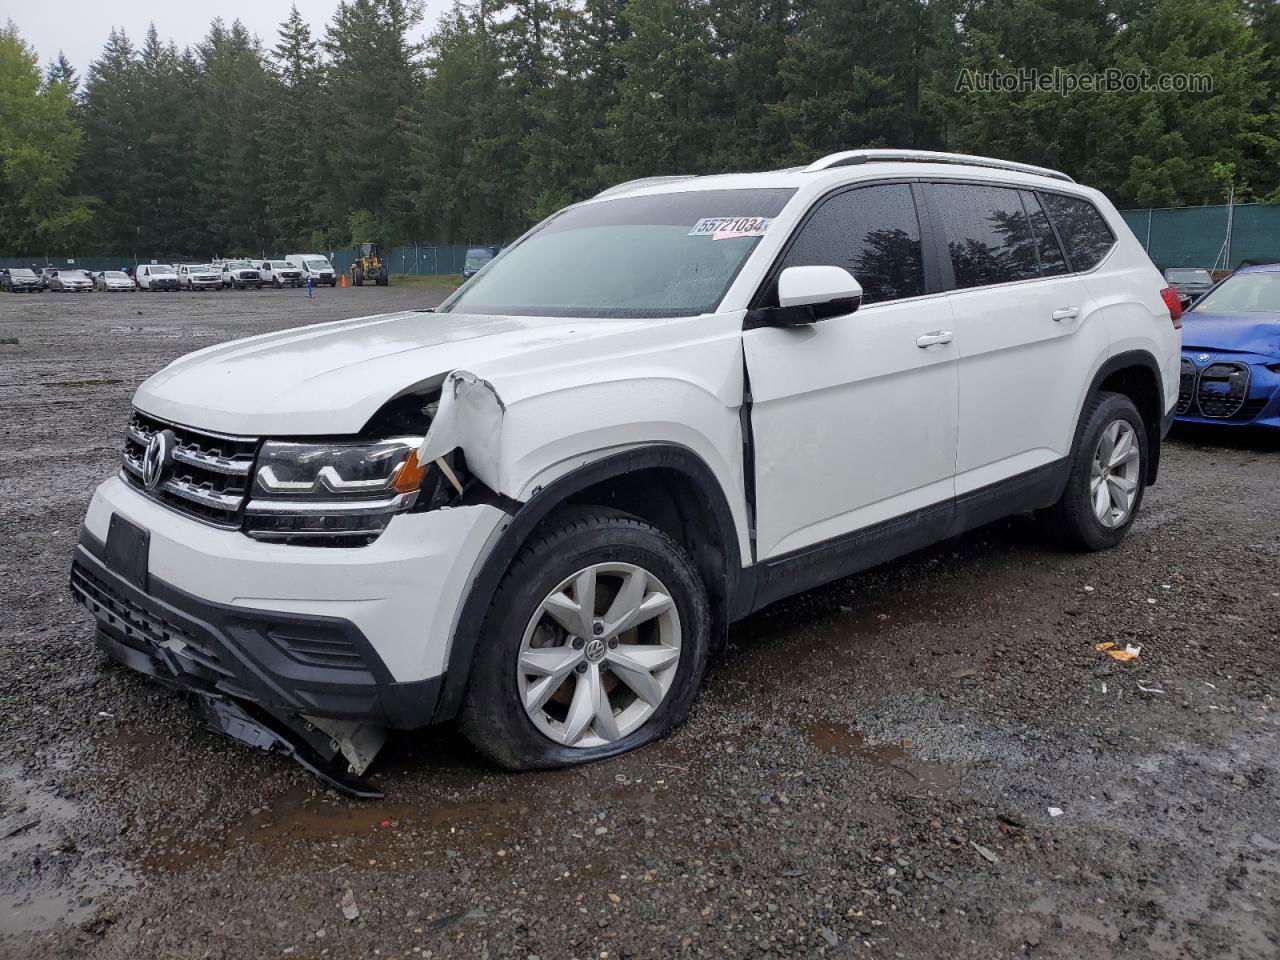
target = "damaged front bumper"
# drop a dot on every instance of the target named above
(305, 686)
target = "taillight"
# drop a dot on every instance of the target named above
(1172, 301)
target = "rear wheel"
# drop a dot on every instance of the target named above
(595, 644)
(1107, 479)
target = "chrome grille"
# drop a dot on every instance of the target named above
(209, 476)
(1222, 389)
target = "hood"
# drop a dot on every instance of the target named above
(1235, 332)
(330, 378)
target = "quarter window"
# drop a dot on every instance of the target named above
(1082, 228)
(872, 232)
(988, 234)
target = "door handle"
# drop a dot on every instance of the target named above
(1066, 313)
(933, 338)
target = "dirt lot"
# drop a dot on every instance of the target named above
(870, 772)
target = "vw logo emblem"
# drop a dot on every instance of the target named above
(1203, 358)
(157, 458)
(595, 649)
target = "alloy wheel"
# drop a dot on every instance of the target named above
(1116, 473)
(599, 655)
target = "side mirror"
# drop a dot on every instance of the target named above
(1186, 300)
(810, 294)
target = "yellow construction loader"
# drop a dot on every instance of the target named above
(368, 266)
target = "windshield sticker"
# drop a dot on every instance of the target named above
(728, 228)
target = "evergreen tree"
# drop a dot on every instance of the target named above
(233, 93)
(292, 174)
(462, 152)
(372, 81)
(109, 160)
(665, 120)
(61, 71)
(162, 182)
(851, 78)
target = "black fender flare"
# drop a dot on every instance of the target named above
(1155, 431)
(516, 530)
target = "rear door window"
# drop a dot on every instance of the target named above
(1052, 261)
(1083, 229)
(874, 233)
(987, 233)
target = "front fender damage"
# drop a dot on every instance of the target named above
(469, 418)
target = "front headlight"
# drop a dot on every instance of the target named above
(332, 493)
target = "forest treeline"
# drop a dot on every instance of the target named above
(510, 110)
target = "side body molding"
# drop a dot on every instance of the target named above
(734, 591)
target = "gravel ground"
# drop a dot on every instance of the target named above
(872, 770)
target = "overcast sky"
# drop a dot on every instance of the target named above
(79, 27)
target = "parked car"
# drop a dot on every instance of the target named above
(280, 273)
(1231, 352)
(538, 508)
(240, 274)
(314, 266)
(476, 259)
(69, 280)
(156, 276)
(199, 276)
(114, 281)
(1189, 282)
(20, 280)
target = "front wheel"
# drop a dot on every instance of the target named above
(1108, 475)
(595, 644)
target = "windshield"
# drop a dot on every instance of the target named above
(279, 265)
(1244, 293)
(114, 275)
(1189, 276)
(667, 255)
(19, 272)
(161, 270)
(239, 265)
(319, 265)
(200, 268)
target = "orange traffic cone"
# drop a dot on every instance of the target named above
(342, 280)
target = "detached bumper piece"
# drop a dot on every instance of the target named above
(308, 687)
(250, 725)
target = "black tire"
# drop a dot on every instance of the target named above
(1072, 520)
(492, 716)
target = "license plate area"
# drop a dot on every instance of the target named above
(128, 550)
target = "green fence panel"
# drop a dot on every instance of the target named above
(1197, 236)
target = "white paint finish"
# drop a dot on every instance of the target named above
(331, 377)
(806, 286)
(525, 420)
(402, 591)
(1020, 374)
(1126, 287)
(853, 422)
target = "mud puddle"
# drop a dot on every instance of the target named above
(841, 740)
(46, 878)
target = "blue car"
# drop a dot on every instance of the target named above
(1231, 352)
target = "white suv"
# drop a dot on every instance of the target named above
(280, 273)
(539, 507)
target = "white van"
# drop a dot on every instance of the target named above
(314, 266)
(156, 276)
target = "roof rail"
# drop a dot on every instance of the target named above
(848, 158)
(630, 185)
